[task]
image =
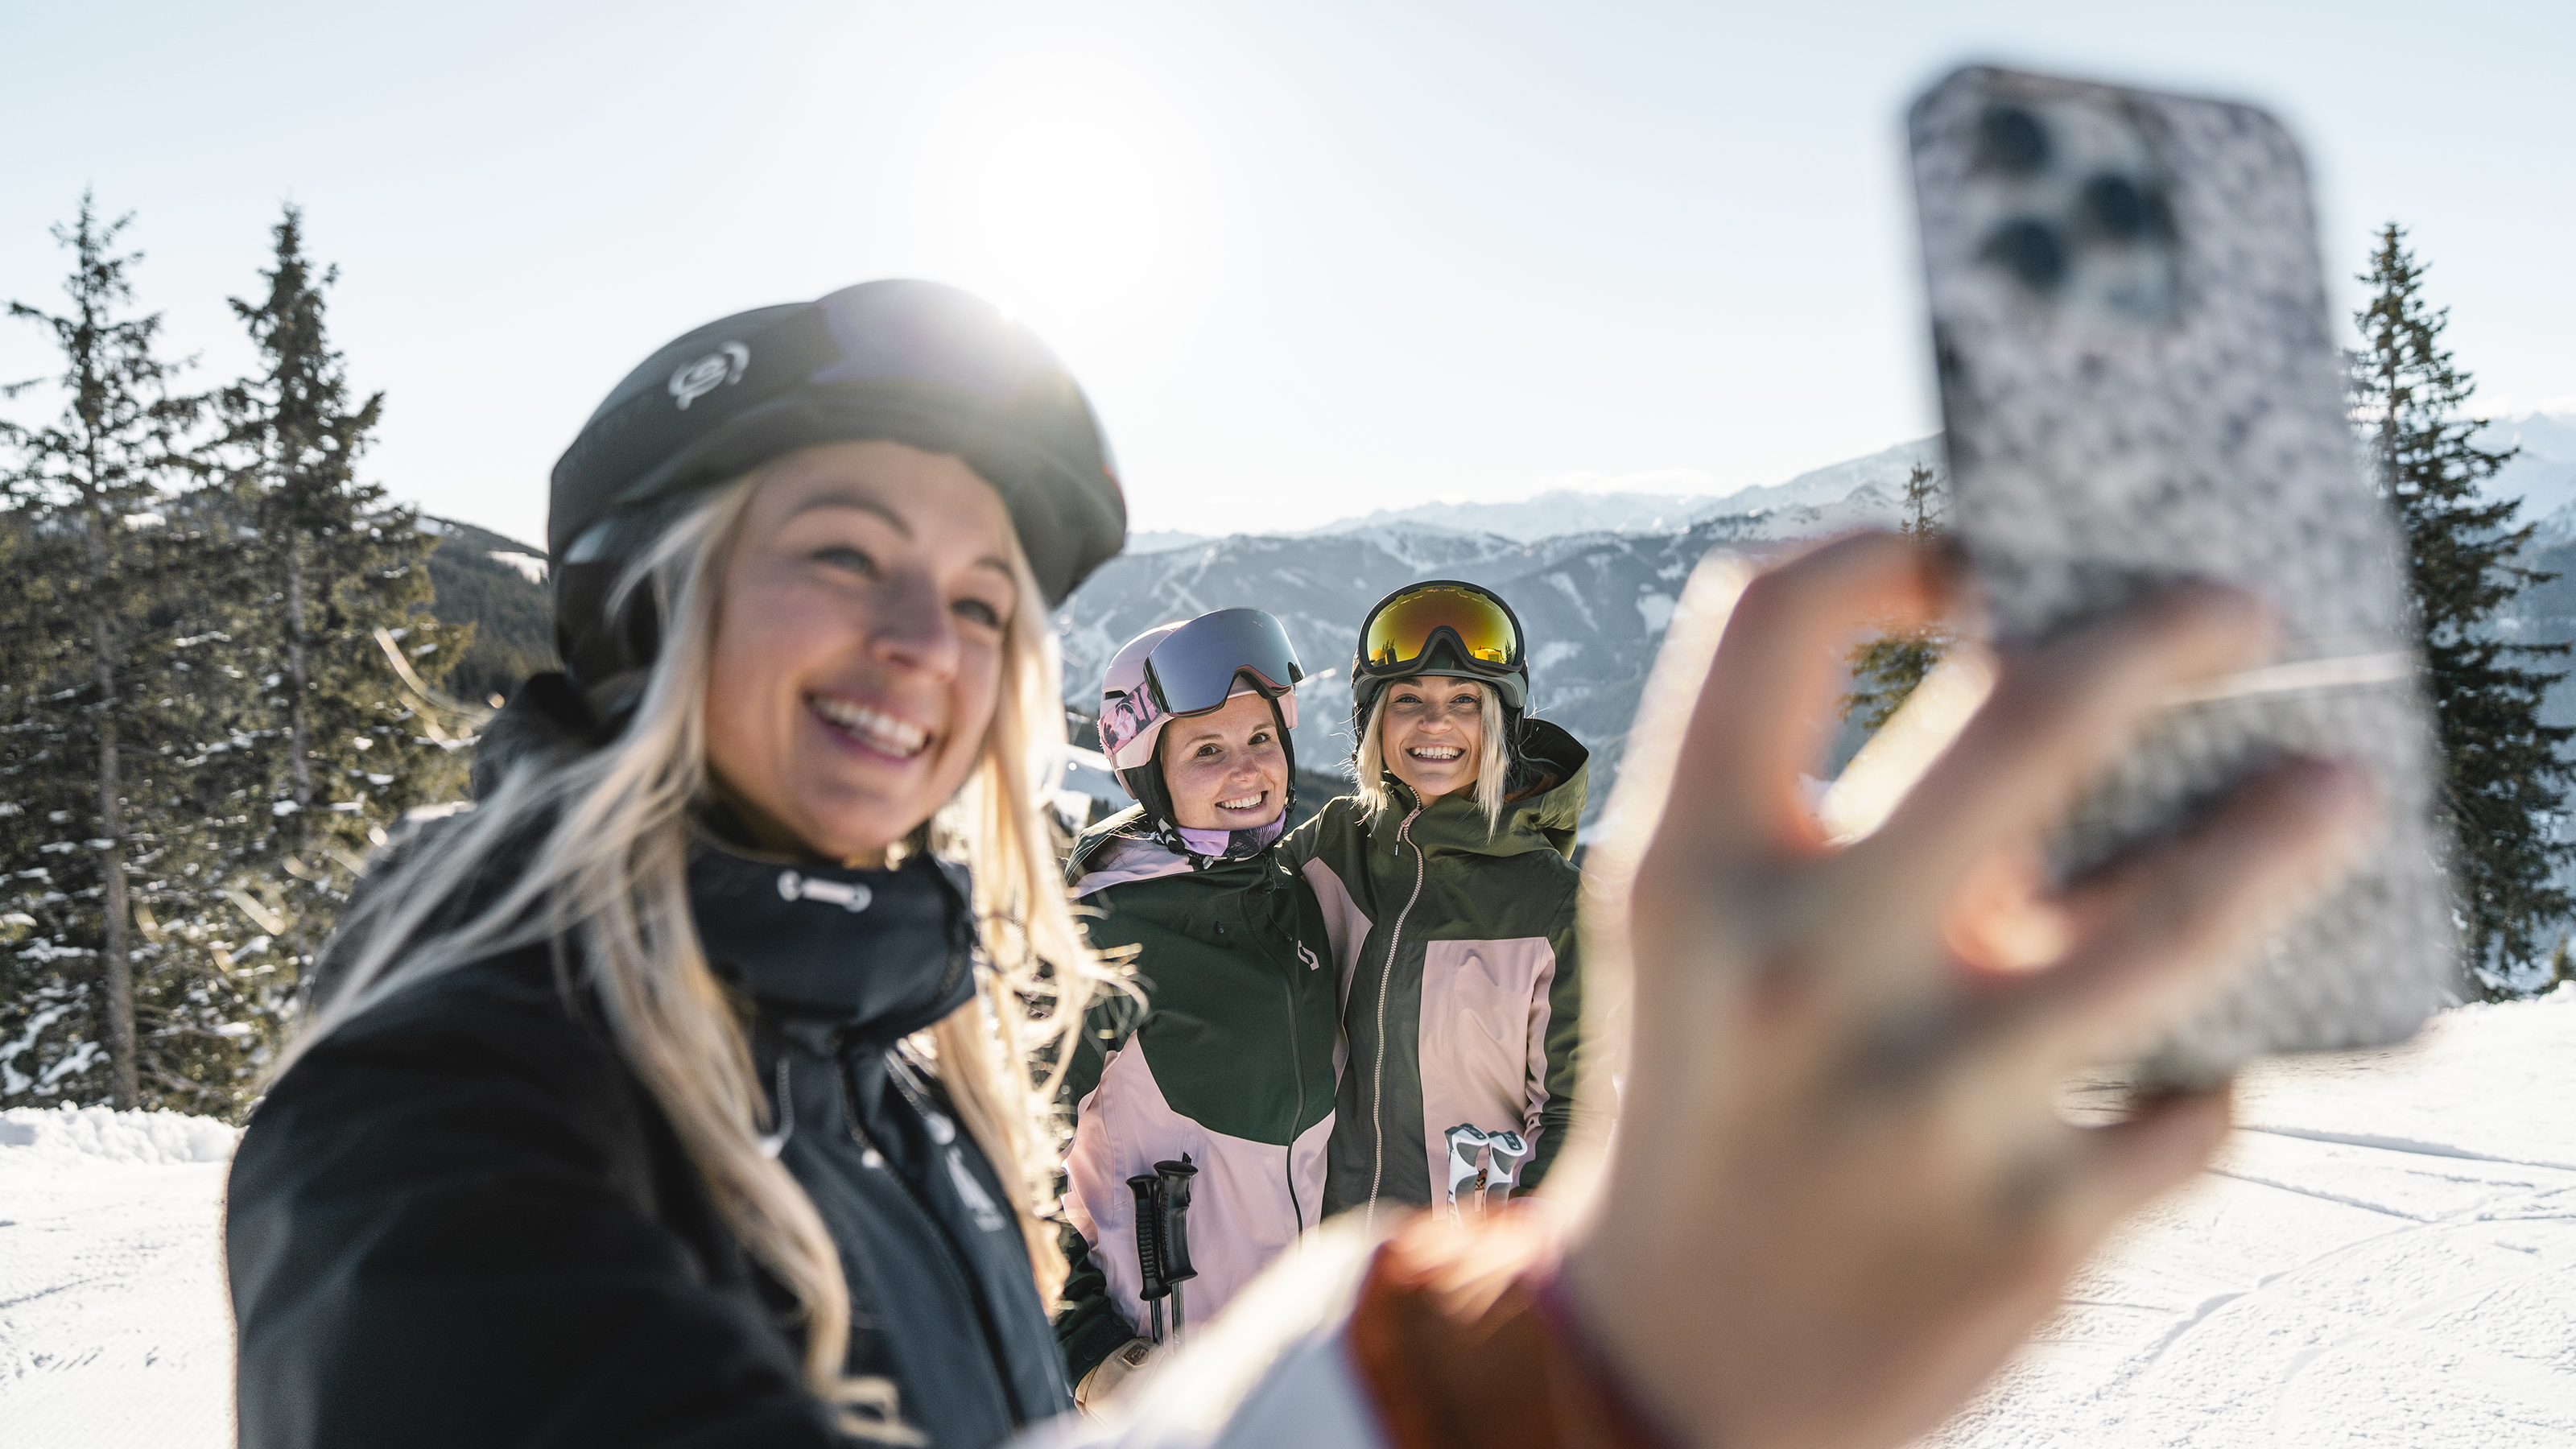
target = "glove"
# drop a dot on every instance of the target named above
(1102, 1383)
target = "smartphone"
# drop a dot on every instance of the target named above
(2140, 383)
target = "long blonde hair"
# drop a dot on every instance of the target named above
(1493, 755)
(609, 876)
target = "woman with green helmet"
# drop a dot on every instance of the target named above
(1448, 883)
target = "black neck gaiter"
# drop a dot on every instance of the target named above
(875, 953)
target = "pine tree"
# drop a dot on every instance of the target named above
(103, 705)
(336, 595)
(1886, 669)
(2503, 787)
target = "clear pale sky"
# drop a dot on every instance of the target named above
(1309, 259)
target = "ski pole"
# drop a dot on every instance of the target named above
(1466, 1143)
(1508, 1150)
(1148, 1188)
(1174, 1244)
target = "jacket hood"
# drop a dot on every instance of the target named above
(1539, 815)
(547, 718)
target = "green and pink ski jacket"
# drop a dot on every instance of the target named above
(1460, 988)
(1229, 1060)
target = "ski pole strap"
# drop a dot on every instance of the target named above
(1466, 1339)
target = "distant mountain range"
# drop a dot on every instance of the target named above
(1594, 577)
(1566, 510)
(1594, 590)
(2543, 475)
(499, 584)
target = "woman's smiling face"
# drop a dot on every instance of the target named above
(1433, 734)
(1226, 769)
(858, 646)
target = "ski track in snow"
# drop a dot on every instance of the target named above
(2385, 1256)
(114, 1328)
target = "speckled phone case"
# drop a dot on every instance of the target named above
(2140, 381)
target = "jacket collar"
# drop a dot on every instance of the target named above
(1540, 814)
(881, 953)
(1126, 848)
(878, 952)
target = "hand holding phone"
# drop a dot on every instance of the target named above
(2140, 385)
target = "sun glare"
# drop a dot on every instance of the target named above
(1069, 181)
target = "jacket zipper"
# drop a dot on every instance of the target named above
(1385, 981)
(967, 1279)
(1297, 1068)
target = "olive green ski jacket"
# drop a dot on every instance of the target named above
(1460, 985)
(1230, 1060)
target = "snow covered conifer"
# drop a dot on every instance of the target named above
(1886, 669)
(104, 702)
(2503, 782)
(332, 618)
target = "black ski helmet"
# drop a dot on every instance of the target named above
(906, 361)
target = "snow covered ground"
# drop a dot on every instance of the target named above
(2387, 1255)
(114, 1328)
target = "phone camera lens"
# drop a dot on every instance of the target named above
(2011, 140)
(2031, 251)
(2118, 208)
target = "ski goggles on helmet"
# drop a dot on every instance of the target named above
(1196, 669)
(1444, 627)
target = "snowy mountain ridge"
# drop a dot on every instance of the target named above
(1594, 606)
(1594, 578)
(2543, 474)
(1560, 511)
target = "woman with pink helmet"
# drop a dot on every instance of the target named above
(1218, 1072)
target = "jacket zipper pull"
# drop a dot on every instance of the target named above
(782, 1110)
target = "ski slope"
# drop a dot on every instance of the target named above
(114, 1327)
(2386, 1256)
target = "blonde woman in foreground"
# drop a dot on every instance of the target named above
(680, 1093)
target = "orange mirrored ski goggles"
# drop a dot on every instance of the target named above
(1403, 629)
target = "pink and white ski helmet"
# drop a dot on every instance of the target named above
(1190, 667)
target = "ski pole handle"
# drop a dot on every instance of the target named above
(1508, 1150)
(1152, 1288)
(1467, 1142)
(1174, 1241)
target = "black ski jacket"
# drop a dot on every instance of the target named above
(461, 1219)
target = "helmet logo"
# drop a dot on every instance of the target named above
(1124, 719)
(710, 372)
